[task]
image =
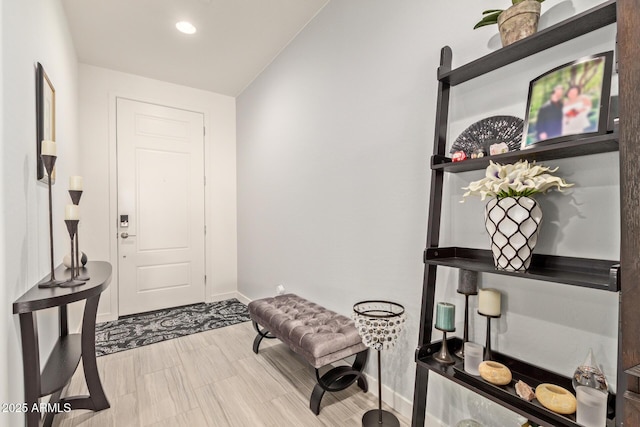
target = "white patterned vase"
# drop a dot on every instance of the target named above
(513, 224)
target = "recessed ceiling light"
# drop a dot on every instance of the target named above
(185, 27)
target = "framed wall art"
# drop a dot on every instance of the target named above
(569, 102)
(45, 117)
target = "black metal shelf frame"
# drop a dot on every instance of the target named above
(578, 25)
(596, 274)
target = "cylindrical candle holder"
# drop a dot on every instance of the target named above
(443, 356)
(446, 316)
(49, 162)
(487, 347)
(592, 407)
(72, 228)
(468, 282)
(75, 198)
(465, 337)
(474, 357)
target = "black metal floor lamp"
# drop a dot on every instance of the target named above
(379, 323)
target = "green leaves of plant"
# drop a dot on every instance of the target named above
(490, 18)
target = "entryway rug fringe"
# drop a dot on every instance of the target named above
(149, 328)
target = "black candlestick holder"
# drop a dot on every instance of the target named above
(49, 162)
(465, 337)
(72, 227)
(443, 356)
(75, 198)
(487, 347)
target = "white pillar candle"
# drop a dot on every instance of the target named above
(72, 212)
(489, 302)
(48, 148)
(75, 183)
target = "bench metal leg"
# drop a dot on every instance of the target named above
(338, 379)
(262, 333)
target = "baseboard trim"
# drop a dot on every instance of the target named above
(243, 298)
(228, 295)
(106, 317)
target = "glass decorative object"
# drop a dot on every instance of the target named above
(467, 286)
(592, 407)
(379, 323)
(588, 374)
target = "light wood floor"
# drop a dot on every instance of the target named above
(214, 379)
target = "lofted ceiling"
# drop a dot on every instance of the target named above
(234, 42)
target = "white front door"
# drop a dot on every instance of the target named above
(161, 207)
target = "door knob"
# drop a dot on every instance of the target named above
(126, 235)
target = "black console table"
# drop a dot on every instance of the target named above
(68, 350)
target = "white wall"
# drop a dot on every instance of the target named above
(334, 140)
(98, 89)
(32, 31)
(4, 295)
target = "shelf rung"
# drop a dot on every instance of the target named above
(583, 272)
(635, 371)
(579, 147)
(62, 363)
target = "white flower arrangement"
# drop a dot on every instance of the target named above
(520, 179)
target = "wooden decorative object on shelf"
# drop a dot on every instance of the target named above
(495, 373)
(556, 398)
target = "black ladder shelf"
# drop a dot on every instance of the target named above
(595, 274)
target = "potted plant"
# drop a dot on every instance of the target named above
(512, 216)
(515, 23)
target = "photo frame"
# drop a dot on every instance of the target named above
(569, 102)
(45, 118)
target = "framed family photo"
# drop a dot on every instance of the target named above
(569, 101)
(45, 118)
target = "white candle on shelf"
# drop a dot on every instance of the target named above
(48, 148)
(72, 212)
(75, 183)
(489, 302)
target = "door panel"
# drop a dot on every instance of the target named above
(163, 200)
(161, 189)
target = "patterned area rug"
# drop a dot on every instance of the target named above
(148, 328)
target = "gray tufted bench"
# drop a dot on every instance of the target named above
(317, 334)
